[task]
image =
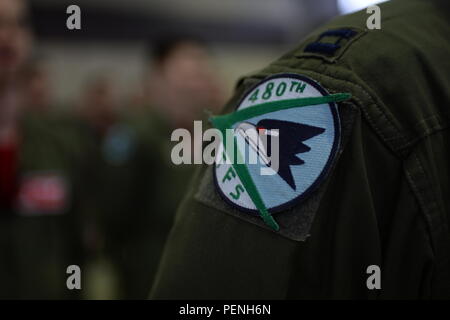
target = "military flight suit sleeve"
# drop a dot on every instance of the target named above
(376, 206)
(212, 255)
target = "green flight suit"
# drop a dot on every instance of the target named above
(41, 234)
(385, 202)
(133, 193)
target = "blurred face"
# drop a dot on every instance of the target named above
(99, 101)
(101, 97)
(188, 68)
(188, 82)
(14, 37)
(37, 89)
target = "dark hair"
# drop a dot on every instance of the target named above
(161, 49)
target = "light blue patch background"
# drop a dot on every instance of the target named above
(273, 189)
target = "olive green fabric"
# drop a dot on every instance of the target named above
(132, 193)
(36, 249)
(384, 203)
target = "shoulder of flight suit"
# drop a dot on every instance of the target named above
(381, 203)
(401, 84)
(384, 67)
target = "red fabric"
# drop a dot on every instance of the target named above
(8, 174)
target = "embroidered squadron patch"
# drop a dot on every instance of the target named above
(304, 118)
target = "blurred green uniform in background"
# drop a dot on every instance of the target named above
(40, 229)
(134, 191)
(384, 202)
(134, 187)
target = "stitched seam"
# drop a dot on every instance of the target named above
(370, 119)
(427, 134)
(434, 201)
(399, 136)
(432, 228)
(437, 117)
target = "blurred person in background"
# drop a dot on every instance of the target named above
(180, 86)
(182, 83)
(134, 187)
(121, 197)
(94, 119)
(98, 107)
(38, 105)
(39, 236)
(37, 87)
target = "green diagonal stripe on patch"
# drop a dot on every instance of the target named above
(224, 122)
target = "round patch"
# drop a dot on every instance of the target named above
(308, 139)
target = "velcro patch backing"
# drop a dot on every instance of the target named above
(295, 223)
